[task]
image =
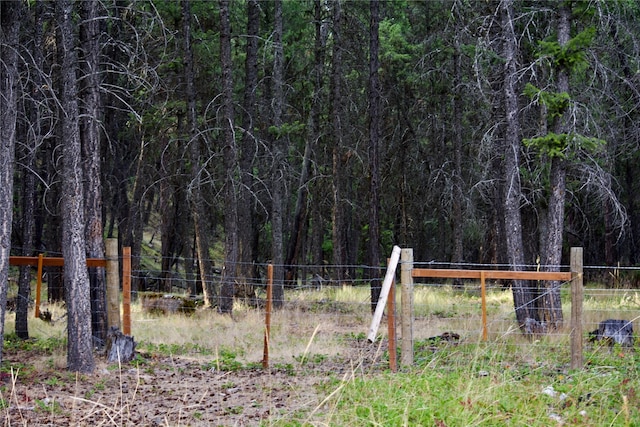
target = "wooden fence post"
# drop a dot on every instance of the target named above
(38, 285)
(267, 320)
(483, 292)
(406, 279)
(576, 307)
(126, 290)
(391, 328)
(113, 283)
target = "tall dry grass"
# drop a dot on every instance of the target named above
(319, 321)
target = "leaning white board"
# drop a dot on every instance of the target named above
(384, 293)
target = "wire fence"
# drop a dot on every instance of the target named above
(315, 299)
(446, 308)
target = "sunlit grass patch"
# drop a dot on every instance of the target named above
(485, 385)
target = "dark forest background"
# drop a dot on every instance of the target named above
(323, 132)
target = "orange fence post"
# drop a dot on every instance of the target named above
(267, 321)
(483, 292)
(126, 290)
(38, 286)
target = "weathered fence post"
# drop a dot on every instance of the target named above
(576, 307)
(267, 320)
(126, 290)
(391, 328)
(113, 283)
(406, 279)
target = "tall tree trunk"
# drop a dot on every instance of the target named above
(10, 18)
(339, 222)
(92, 155)
(279, 159)
(300, 217)
(195, 195)
(610, 252)
(317, 239)
(28, 176)
(523, 297)
(77, 293)
(53, 228)
(127, 152)
(457, 218)
(630, 185)
(167, 235)
(230, 159)
(248, 150)
(174, 228)
(375, 116)
(28, 231)
(550, 304)
(134, 215)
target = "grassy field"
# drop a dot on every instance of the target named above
(491, 385)
(508, 380)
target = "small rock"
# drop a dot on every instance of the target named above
(556, 418)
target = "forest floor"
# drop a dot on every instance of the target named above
(162, 390)
(205, 369)
(199, 370)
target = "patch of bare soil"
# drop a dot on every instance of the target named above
(174, 391)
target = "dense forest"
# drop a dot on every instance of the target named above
(317, 133)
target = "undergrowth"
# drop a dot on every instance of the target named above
(507, 380)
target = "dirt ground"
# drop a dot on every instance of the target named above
(173, 391)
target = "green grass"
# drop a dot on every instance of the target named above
(459, 397)
(506, 381)
(488, 385)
